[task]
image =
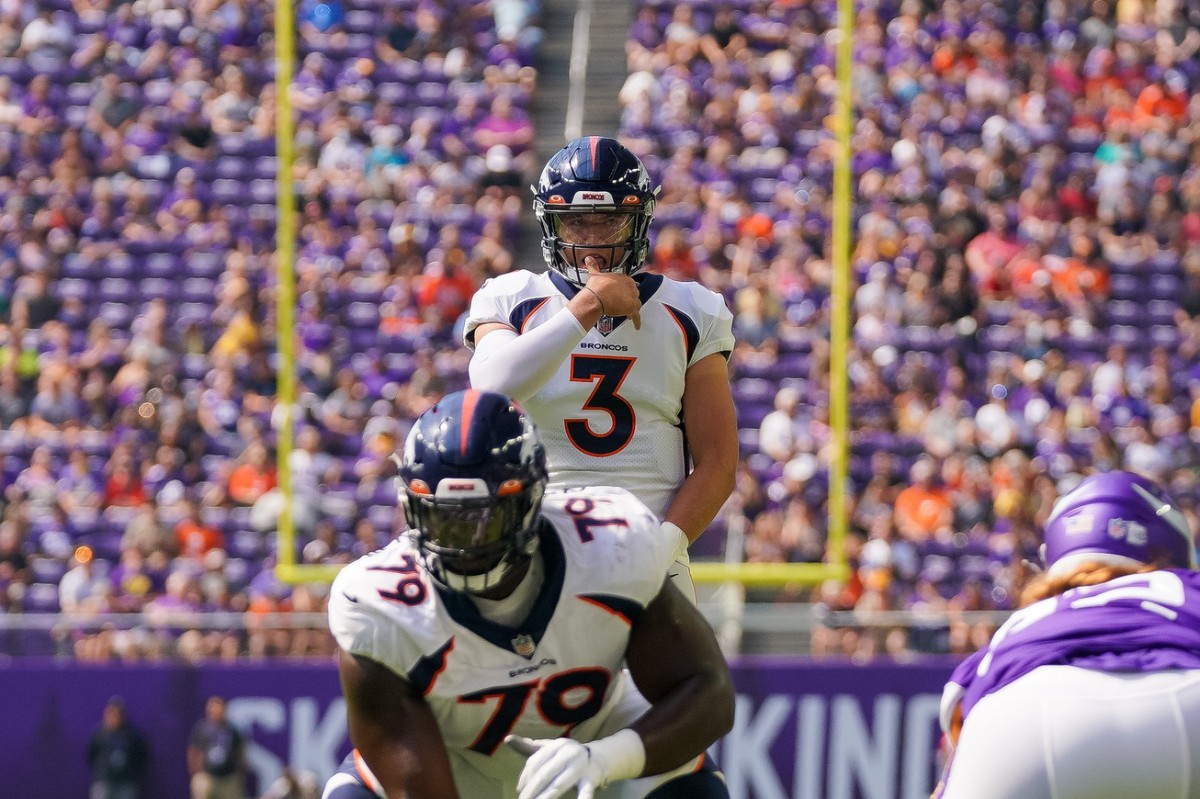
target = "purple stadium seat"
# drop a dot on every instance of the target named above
(75, 116)
(261, 191)
(1164, 286)
(1167, 336)
(1161, 312)
(157, 288)
(198, 290)
(1165, 261)
(195, 366)
(120, 265)
(747, 439)
(232, 167)
(187, 313)
(239, 572)
(118, 315)
(75, 265)
(1126, 335)
(1001, 338)
(226, 190)
(399, 366)
(75, 287)
(115, 289)
(41, 598)
(1126, 287)
(47, 570)
(362, 338)
(361, 315)
(245, 544)
(203, 264)
(1124, 312)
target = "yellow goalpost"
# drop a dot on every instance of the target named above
(754, 575)
(286, 568)
(767, 575)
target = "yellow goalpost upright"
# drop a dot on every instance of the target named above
(760, 575)
(286, 567)
(767, 575)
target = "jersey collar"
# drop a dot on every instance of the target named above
(464, 612)
(648, 285)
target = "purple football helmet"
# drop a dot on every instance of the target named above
(1118, 518)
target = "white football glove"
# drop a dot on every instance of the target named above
(556, 765)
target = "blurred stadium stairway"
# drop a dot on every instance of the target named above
(593, 68)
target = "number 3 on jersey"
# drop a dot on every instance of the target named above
(608, 373)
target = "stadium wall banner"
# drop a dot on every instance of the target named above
(804, 729)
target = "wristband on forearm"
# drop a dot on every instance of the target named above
(603, 312)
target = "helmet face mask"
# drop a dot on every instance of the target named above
(594, 198)
(1117, 518)
(471, 479)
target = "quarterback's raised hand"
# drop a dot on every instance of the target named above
(617, 292)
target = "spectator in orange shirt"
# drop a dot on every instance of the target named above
(1162, 104)
(1078, 275)
(923, 507)
(672, 257)
(447, 287)
(253, 477)
(1121, 108)
(1024, 272)
(194, 537)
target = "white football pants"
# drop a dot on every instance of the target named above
(1062, 732)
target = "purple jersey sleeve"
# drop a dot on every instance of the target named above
(1137, 623)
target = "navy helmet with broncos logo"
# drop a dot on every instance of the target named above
(601, 178)
(472, 475)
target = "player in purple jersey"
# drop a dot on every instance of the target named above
(1092, 689)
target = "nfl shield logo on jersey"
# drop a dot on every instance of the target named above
(605, 325)
(524, 646)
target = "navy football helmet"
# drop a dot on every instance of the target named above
(594, 198)
(1118, 518)
(472, 475)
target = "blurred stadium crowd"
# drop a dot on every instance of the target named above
(1026, 257)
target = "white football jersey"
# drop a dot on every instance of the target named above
(558, 672)
(611, 413)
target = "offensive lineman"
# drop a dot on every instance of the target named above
(496, 628)
(624, 373)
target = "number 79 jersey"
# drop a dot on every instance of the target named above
(610, 415)
(1135, 623)
(555, 673)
